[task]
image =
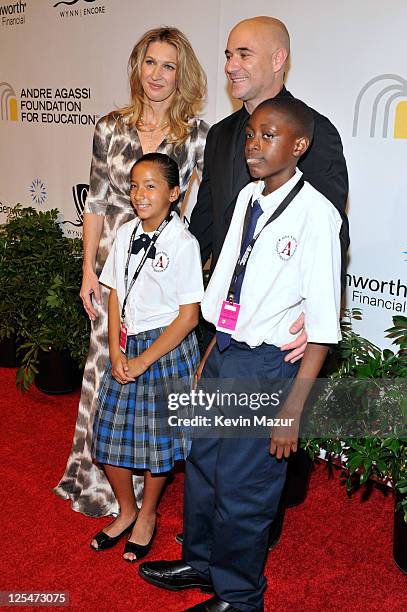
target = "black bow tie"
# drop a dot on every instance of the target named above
(142, 242)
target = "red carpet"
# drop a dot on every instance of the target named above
(335, 553)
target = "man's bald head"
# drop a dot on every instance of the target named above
(271, 28)
(256, 52)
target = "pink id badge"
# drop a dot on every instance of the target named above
(123, 338)
(228, 316)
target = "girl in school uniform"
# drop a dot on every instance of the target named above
(155, 277)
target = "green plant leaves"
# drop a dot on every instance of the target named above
(357, 358)
(40, 277)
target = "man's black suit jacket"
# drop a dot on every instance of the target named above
(225, 173)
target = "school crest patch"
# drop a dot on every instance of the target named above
(160, 261)
(286, 247)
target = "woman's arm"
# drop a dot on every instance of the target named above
(285, 439)
(171, 337)
(92, 229)
(95, 210)
(203, 129)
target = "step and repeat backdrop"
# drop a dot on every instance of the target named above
(63, 64)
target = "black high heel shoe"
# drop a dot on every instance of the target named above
(138, 550)
(105, 541)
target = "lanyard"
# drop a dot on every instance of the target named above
(153, 240)
(242, 261)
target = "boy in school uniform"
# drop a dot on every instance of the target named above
(233, 485)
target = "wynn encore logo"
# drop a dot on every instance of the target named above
(376, 100)
(8, 103)
(79, 8)
(70, 2)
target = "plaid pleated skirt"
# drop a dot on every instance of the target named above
(131, 427)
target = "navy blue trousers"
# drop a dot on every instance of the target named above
(232, 490)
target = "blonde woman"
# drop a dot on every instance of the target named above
(168, 87)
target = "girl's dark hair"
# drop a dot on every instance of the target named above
(169, 169)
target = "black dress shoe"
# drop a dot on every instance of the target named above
(174, 576)
(214, 604)
(179, 538)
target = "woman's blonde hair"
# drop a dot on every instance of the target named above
(190, 77)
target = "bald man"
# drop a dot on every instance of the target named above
(256, 55)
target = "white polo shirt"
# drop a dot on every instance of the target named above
(172, 278)
(294, 267)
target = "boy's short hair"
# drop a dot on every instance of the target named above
(296, 111)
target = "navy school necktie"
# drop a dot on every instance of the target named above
(222, 338)
(142, 242)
